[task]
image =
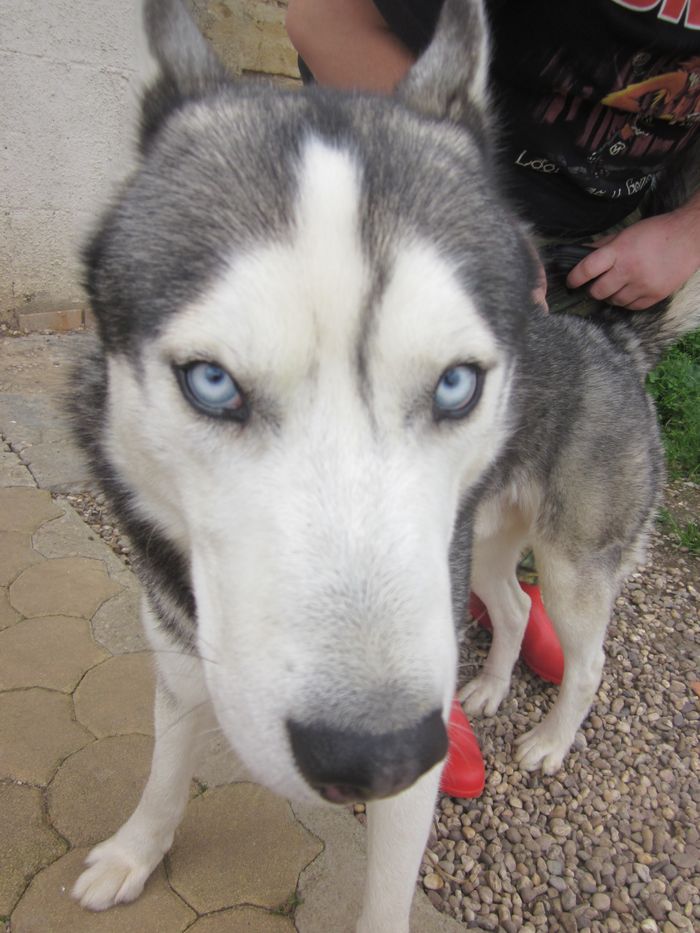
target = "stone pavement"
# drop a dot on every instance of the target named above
(76, 690)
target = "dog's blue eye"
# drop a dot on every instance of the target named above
(212, 389)
(211, 385)
(457, 391)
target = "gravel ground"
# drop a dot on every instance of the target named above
(611, 842)
(96, 513)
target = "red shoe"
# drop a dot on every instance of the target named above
(540, 649)
(463, 774)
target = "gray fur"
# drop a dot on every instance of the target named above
(182, 52)
(581, 462)
(450, 78)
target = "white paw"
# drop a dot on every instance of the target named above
(544, 747)
(116, 875)
(483, 694)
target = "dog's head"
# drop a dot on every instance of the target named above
(309, 304)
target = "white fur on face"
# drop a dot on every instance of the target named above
(319, 531)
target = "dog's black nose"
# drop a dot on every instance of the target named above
(346, 766)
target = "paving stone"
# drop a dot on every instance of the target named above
(117, 623)
(28, 843)
(243, 920)
(39, 429)
(8, 615)
(71, 586)
(117, 697)
(13, 472)
(47, 907)
(239, 845)
(59, 465)
(218, 763)
(52, 652)
(331, 888)
(30, 421)
(37, 732)
(16, 554)
(70, 536)
(111, 773)
(24, 508)
(39, 365)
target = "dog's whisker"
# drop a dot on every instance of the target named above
(460, 753)
(458, 727)
(188, 712)
(183, 654)
(211, 730)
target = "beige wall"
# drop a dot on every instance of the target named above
(249, 35)
(70, 76)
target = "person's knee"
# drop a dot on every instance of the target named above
(295, 19)
(318, 24)
(303, 17)
(347, 44)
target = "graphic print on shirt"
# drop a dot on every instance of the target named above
(651, 110)
(670, 11)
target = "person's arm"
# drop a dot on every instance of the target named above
(347, 44)
(645, 262)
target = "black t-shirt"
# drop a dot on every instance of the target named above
(592, 98)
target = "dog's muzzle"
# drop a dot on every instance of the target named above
(345, 766)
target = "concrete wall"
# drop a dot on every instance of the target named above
(70, 75)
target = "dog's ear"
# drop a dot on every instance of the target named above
(188, 66)
(450, 79)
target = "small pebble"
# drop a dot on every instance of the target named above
(433, 882)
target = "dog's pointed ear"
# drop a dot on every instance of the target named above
(450, 79)
(187, 64)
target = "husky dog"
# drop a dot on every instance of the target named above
(320, 377)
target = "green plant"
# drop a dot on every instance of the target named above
(290, 905)
(675, 386)
(686, 534)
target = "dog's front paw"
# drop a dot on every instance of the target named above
(483, 694)
(544, 747)
(116, 875)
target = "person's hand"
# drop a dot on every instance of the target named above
(645, 262)
(539, 292)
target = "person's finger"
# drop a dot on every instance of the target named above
(595, 264)
(540, 301)
(539, 292)
(541, 281)
(603, 287)
(642, 304)
(603, 240)
(625, 297)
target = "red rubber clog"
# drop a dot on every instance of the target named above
(463, 774)
(540, 649)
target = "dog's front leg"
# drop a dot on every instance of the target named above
(119, 867)
(579, 600)
(398, 829)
